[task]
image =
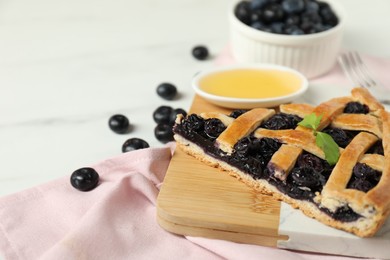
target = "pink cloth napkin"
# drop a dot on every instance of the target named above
(116, 220)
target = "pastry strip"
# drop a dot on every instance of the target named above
(283, 161)
(358, 122)
(334, 193)
(241, 127)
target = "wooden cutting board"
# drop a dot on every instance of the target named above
(198, 200)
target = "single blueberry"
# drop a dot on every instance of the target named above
(166, 91)
(293, 6)
(200, 52)
(119, 123)
(243, 12)
(258, 4)
(134, 144)
(163, 133)
(84, 179)
(257, 17)
(312, 6)
(277, 27)
(273, 13)
(162, 114)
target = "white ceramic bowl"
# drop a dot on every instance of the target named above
(311, 54)
(248, 103)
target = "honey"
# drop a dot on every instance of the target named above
(251, 83)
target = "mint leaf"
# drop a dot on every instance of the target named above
(329, 146)
(311, 121)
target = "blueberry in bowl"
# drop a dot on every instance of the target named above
(305, 35)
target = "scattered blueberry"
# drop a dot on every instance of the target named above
(84, 179)
(200, 52)
(134, 144)
(166, 91)
(119, 123)
(163, 133)
(162, 114)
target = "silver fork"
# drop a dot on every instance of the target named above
(357, 71)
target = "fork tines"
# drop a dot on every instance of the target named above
(356, 70)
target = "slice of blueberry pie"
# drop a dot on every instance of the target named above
(331, 161)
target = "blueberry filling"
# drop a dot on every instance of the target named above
(238, 112)
(356, 108)
(213, 127)
(340, 136)
(281, 121)
(376, 148)
(252, 155)
(308, 176)
(364, 177)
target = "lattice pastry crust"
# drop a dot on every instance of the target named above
(241, 146)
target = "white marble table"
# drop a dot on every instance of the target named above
(67, 66)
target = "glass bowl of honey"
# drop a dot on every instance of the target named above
(246, 86)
